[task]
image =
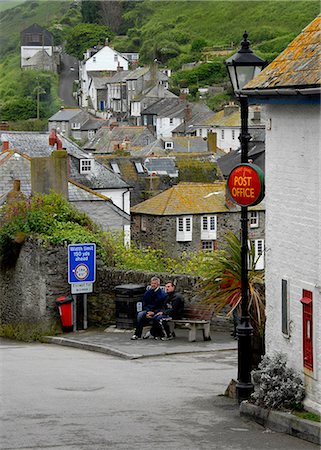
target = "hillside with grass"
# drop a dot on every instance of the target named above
(173, 32)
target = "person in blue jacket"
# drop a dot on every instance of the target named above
(153, 302)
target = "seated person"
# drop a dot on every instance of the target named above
(174, 309)
(153, 302)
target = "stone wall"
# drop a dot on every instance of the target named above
(29, 289)
(164, 227)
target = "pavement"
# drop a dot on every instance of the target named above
(117, 342)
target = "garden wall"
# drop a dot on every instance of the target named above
(29, 288)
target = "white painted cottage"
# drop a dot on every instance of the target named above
(289, 92)
(104, 61)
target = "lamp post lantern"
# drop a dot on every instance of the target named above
(243, 66)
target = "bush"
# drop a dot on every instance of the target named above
(276, 385)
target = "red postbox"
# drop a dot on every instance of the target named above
(65, 306)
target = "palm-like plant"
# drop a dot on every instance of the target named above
(223, 286)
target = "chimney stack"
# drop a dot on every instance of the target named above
(5, 145)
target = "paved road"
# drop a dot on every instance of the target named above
(68, 74)
(61, 398)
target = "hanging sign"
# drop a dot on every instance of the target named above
(245, 185)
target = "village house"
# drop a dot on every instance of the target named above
(289, 92)
(194, 216)
(165, 115)
(76, 123)
(92, 187)
(119, 138)
(103, 61)
(37, 49)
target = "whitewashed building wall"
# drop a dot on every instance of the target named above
(293, 233)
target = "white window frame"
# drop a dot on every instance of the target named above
(184, 228)
(208, 227)
(169, 145)
(259, 253)
(91, 134)
(86, 165)
(75, 126)
(254, 219)
(171, 121)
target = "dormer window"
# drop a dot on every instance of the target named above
(169, 145)
(139, 167)
(115, 167)
(86, 165)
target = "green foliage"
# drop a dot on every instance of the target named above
(195, 170)
(29, 125)
(203, 75)
(29, 332)
(197, 264)
(50, 218)
(18, 91)
(85, 35)
(217, 101)
(223, 286)
(90, 11)
(307, 415)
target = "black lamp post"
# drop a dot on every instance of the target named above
(243, 66)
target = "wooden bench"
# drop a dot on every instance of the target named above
(196, 317)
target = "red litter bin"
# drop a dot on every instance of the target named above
(65, 306)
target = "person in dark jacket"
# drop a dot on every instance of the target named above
(174, 309)
(153, 303)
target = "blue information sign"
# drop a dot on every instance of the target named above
(81, 263)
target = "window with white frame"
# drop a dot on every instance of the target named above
(169, 145)
(86, 165)
(254, 219)
(171, 121)
(258, 254)
(208, 227)
(115, 167)
(222, 134)
(208, 246)
(115, 57)
(75, 126)
(184, 225)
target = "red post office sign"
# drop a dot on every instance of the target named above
(245, 185)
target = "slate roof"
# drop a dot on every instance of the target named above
(298, 66)
(137, 73)
(162, 166)
(165, 106)
(46, 37)
(119, 76)
(100, 82)
(256, 152)
(187, 198)
(93, 124)
(15, 166)
(65, 114)
(220, 119)
(35, 144)
(188, 144)
(105, 138)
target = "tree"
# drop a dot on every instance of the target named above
(84, 36)
(223, 286)
(90, 11)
